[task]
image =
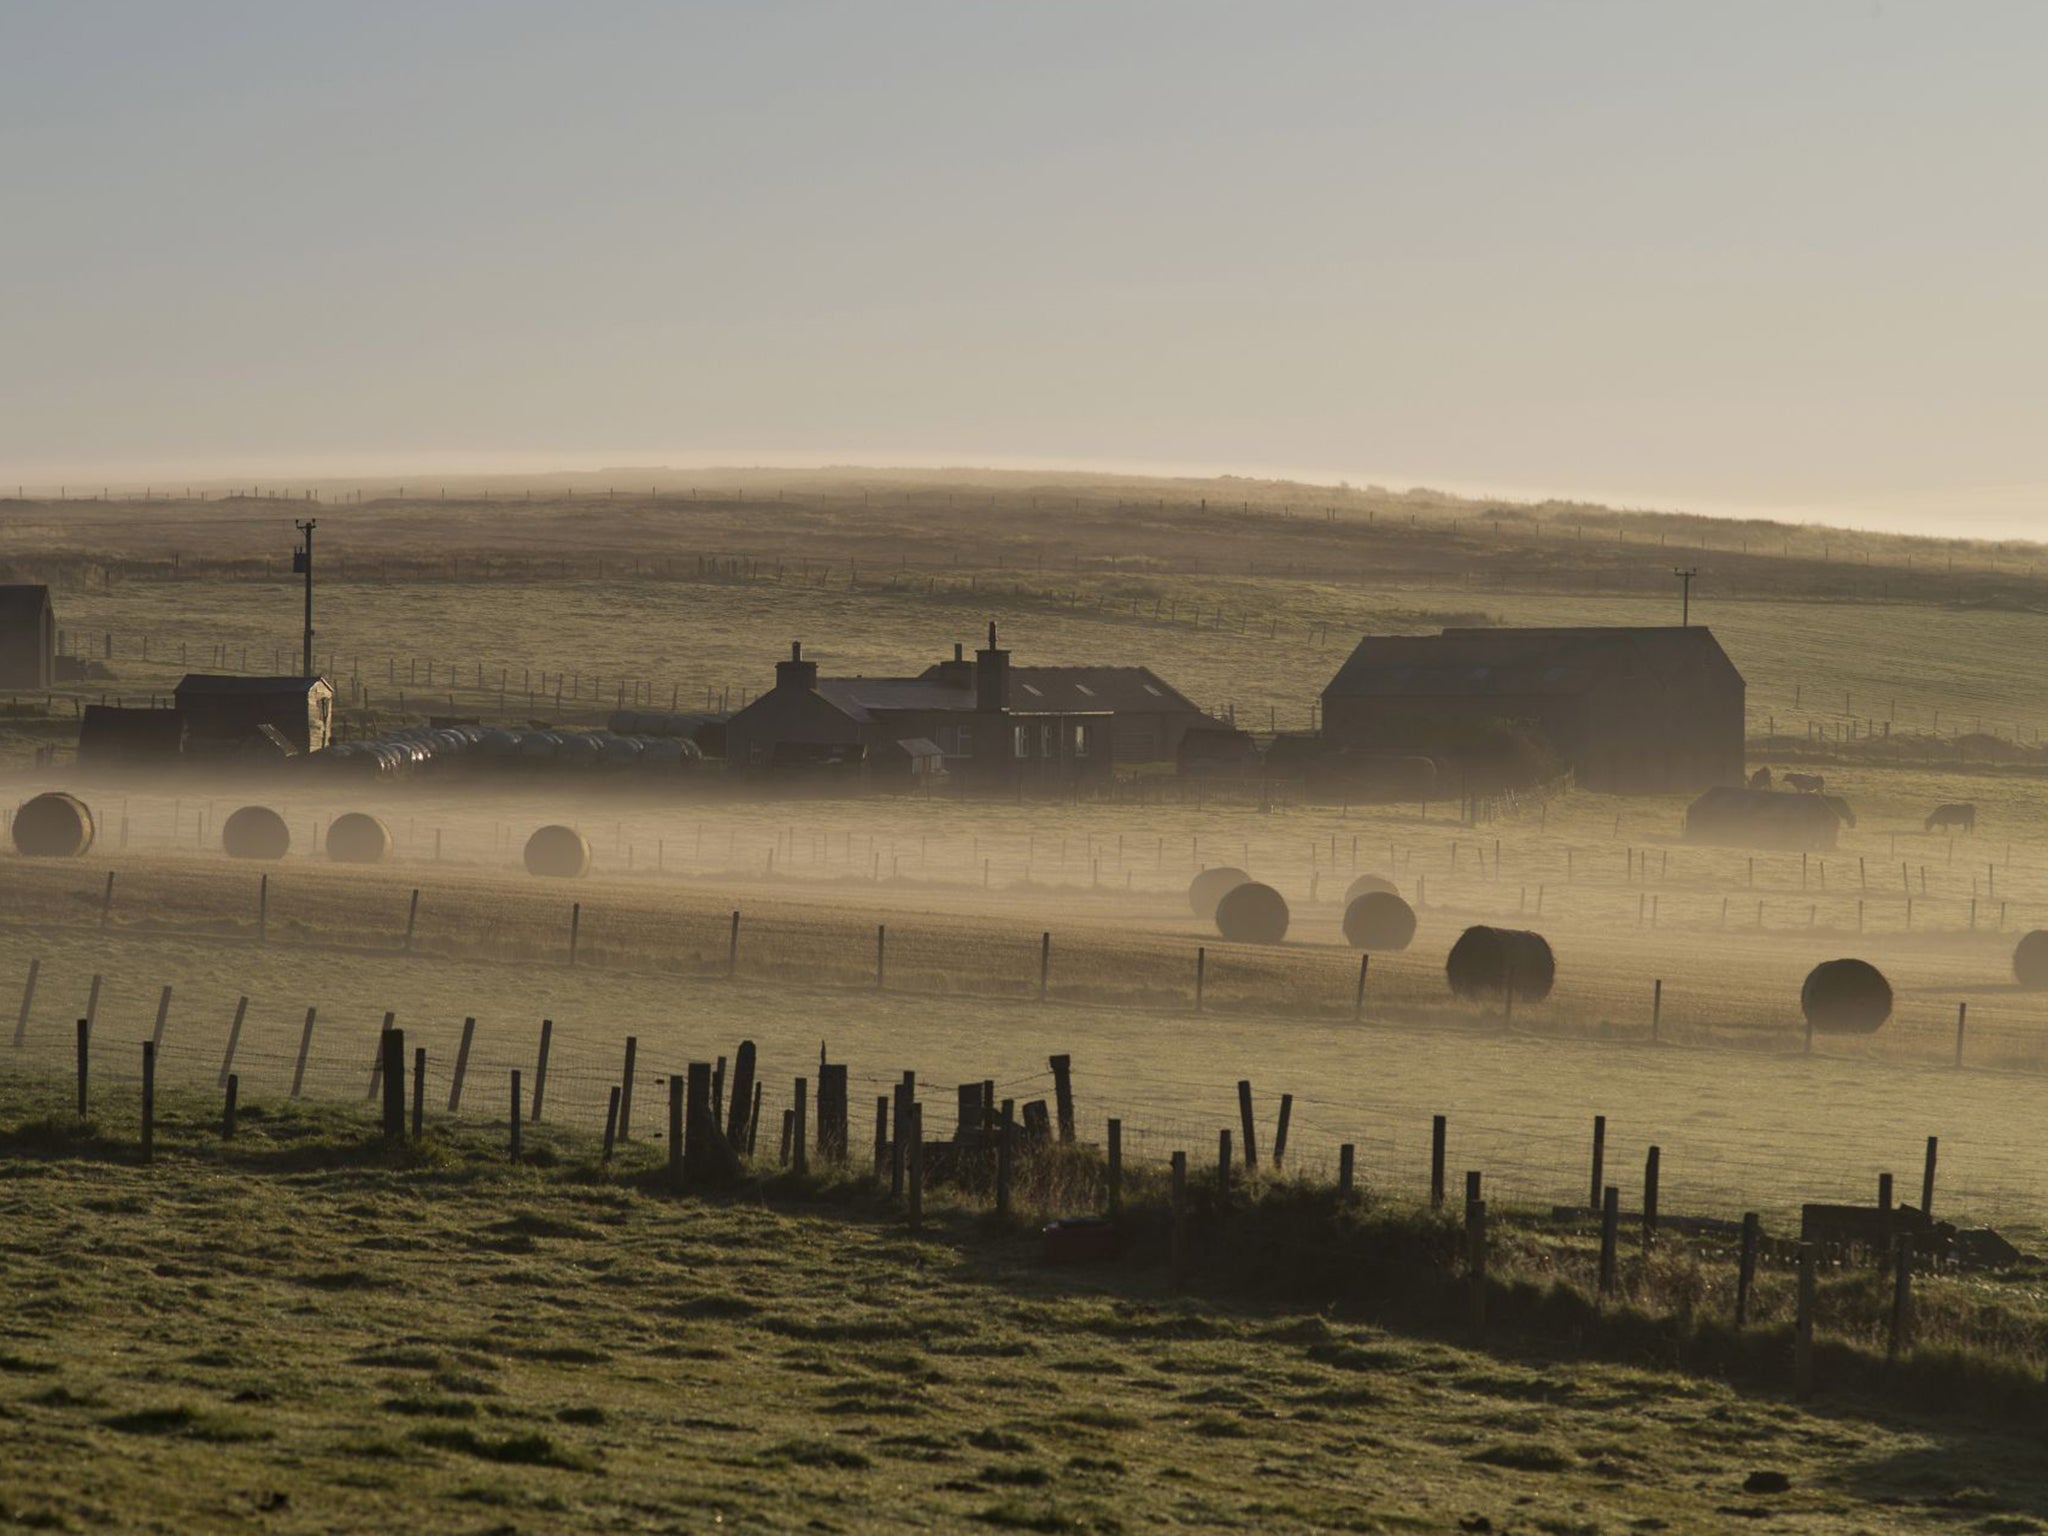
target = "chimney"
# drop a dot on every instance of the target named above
(796, 675)
(991, 677)
(957, 673)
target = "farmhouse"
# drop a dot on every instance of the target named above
(28, 638)
(230, 714)
(1148, 715)
(960, 720)
(1630, 711)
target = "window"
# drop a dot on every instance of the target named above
(1048, 740)
(1023, 741)
(1080, 739)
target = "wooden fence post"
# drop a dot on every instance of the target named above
(1244, 1117)
(575, 927)
(675, 1131)
(1437, 1128)
(611, 1124)
(1802, 1326)
(305, 1049)
(800, 1111)
(148, 1100)
(419, 1091)
(263, 909)
(1006, 1156)
(1599, 1161)
(227, 1113)
(701, 1161)
(1358, 1002)
(391, 1045)
(540, 1067)
(107, 900)
(1280, 1131)
(1063, 1095)
(1178, 1261)
(1116, 1166)
(412, 917)
(163, 1016)
(1610, 1235)
(1651, 1169)
(1223, 1166)
(1962, 1017)
(377, 1056)
(832, 1107)
(916, 1166)
(461, 1065)
(732, 947)
(1745, 1275)
(1656, 1010)
(517, 1117)
(227, 1063)
(28, 997)
(739, 1120)
(1201, 967)
(1044, 962)
(626, 1089)
(1927, 1177)
(881, 956)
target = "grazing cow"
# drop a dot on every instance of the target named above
(1806, 783)
(1964, 816)
(1761, 779)
(1841, 808)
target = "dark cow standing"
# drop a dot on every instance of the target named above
(1963, 816)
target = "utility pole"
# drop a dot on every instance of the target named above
(302, 563)
(1684, 583)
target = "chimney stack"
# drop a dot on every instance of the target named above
(991, 677)
(796, 674)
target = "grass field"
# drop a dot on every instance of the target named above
(303, 1331)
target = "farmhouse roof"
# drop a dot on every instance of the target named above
(1124, 690)
(207, 683)
(861, 697)
(1518, 663)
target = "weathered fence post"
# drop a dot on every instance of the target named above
(412, 917)
(540, 1067)
(699, 1130)
(1802, 1326)
(107, 900)
(740, 1115)
(28, 997)
(1656, 1010)
(900, 1116)
(163, 1017)
(516, 1116)
(881, 1134)
(1006, 1154)
(675, 1131)
(1437, 1127)
(832, 1128)
(148, 1100)
(1599, 1161)
(611, 1123)
(263, 909)
(1745, 1274)
(1358, 1002)
(881, 955)
(625, 1089)
(1884, 1191)
(1610, 1235)
(1347, 1156)
(916, 1166)
(575, 927)
(732, 947)
(377, 1056)
(1280, 1131)
(227, 1062)
(800, 1119)
(391, 1046)
(1651, 1168)
(1244, 1116)
(227, 1113)
(1178, 1253)
(1063, 1095)
(305, 1049)
(419, 1091)
(1962, 1017)
(1927, 1177)
(1044, 962)
(1116, 1166)
(1201, 967)
(1223, 1166)
(461, 1065)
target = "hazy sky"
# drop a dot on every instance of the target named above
(1783, 255)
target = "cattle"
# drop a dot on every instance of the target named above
(1964, 816)
(1761, 779)
(1806, 783)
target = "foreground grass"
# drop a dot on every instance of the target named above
(307, 1330)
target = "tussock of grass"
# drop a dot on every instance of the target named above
(533, 1450)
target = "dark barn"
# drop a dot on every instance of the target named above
(227, 714)
(1630, 711)
(28, 639)
(111, 736)
(959, 721)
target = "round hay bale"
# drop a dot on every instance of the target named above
(356, 838)
(1379, 920)
(1368, 883)
(1846, 997)
(53, 826)
(2030, 959)
(1485, 962)
(1252, 914)
(1211, 886)
(255, 832)
(558, 853)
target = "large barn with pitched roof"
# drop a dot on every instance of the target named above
(1632, 711)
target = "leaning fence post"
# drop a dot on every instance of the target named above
(1651, 1169)
(1116, 1166)
(392, 1058)
(1656, 1010)
(1599, 1161)
(419, 1091)
(1610, 1235)
(412, 917)
(1802, 1326)
(107, 900)
(1358, 1002)
(148, 1100)
(163, 1016)
(461, 1065)
(1063, 1094)
(28, 997)
(305, 1049)
(1927, 1177)
(1244, 1116)
(1437, 1127)
(1280, 1131)
(227, 1113)
(611, 1124)
(1745, 1275)
(377, 1057)
(1201, 966)
(540, 1067)
(227, 1064)
(626, 1089)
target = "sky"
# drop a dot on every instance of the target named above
(1780, 257)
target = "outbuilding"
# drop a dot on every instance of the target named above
(28, 639)
(229, 714)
